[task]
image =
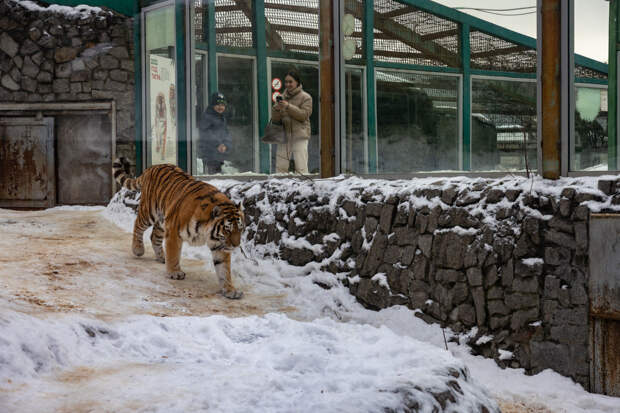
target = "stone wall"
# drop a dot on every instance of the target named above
(502, 262)
(65, 54)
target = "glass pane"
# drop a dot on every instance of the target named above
(503, 125)
(161, 100)
(589, 151)
(292, 26)
(405, 34)
(309, 77)
(233, 23)
(200, 103)
(354, 145)
(236, 84)
(417, 122)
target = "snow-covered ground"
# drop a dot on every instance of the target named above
(84, 326)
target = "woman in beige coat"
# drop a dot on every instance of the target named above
(294, 112)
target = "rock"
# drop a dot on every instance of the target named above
(8, 83)
(8, 45)
(525, 285)
(559, 238)
(425, 243)
(494, 196)
(557, 256)
(552, 287)
(474, 277)
(522, 317)
(478, 296)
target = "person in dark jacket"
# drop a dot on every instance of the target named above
(214, 143)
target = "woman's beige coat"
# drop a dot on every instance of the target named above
(296, 117)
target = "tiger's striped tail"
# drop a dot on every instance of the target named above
(120, 168)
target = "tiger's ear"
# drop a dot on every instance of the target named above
(239, 206)
(216, 211)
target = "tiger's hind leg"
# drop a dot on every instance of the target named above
(221, 260)
(173, 256)
(157, 237)
(137, 244)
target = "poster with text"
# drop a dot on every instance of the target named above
(163, 101)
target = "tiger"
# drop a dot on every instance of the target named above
(181, 208)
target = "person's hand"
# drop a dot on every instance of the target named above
(282, 105)
(221, 148)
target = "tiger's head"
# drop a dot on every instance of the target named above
(228, 223)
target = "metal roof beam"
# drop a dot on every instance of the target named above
(273, 38)
(405, 35)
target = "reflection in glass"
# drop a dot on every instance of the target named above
(200, 102)
(161, 100)
(589, 151)
(417, 122)
(309, 76)
(236, 82)
(503, 125)
(354, 145)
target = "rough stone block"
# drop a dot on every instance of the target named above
(425, 243)
(408, 253)
(420, 267)
(406, 236)
(552, 287)
(525, 285)
(474, 276)
(464, 313)
(374, 209)
(479, 304)
(517, 301)
(496, 307)
(448, 276)
(557, 256)
(392, 254)
(550, 355)
(495, 293)
(522, 317)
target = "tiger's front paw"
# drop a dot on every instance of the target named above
(160, 258)
(137, 249)
(177, 275)
(232, 294)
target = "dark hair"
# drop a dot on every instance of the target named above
(217, 98)
(294, 74)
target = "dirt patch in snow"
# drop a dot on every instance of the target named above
(61, 260)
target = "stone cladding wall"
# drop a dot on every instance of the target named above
(502, 262)
(64, 54)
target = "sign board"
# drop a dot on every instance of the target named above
(276, 83)
(163, 112)
(275, 95)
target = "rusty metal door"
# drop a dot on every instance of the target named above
(27, 177)
(604, 288)
(84, 145)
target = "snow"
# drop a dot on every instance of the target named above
(81, 10)
(532, 261)
(317, 349)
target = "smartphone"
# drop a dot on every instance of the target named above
(279, 98)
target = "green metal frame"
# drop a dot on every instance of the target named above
(137, 43)
(260, 43)
(612, 89)
(211, 48)
(181, 88)
(466, 99)
(371, 113)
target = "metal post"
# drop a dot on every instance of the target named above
(371, 103)
(327, 88)
(466, 97)
(181, 87)
(211, 48)
(263, 83)
(555, 76)
(612, 89)
(138, 68)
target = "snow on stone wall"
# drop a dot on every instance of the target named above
(69, 54)
(506, 257)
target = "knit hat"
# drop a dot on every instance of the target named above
(217, 98)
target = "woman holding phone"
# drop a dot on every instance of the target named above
(293, 110)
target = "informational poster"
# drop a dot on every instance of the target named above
(163, 111)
